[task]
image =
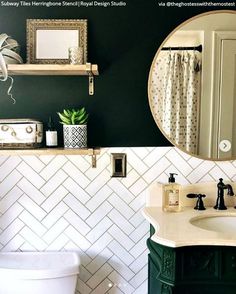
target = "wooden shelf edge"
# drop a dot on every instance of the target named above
(49, 151)
(51, 69)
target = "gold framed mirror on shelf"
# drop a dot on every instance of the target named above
(49, 40)
(191, 86)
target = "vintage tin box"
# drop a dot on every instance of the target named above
(20, 133)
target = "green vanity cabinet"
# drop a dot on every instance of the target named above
(191, 269)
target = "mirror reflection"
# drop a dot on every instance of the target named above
(192, 86)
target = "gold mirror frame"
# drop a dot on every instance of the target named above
(150, 80)
(79, 26)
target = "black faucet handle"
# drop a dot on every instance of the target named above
(230, 191)
(191, 195)
(199, 204)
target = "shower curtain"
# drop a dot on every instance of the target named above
(178, 90)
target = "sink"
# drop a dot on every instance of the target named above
(216, 223)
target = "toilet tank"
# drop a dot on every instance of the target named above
(38, 272)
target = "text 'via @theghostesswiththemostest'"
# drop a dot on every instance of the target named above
(182, 4)
(103, 4)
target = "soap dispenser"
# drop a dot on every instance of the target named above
(171, 201)
(51, 134)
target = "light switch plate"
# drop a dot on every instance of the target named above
(118, 165)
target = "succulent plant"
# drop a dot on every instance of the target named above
(73, 117)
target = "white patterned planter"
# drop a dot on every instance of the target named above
(75, 136)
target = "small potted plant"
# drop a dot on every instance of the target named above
(74, 127)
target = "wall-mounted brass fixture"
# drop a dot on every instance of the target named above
(91, 78)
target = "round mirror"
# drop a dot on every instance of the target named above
(192, 86)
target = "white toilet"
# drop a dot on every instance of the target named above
(38, 272)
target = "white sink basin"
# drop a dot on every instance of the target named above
(217, 223)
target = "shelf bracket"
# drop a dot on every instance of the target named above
(93, 157)
(90, 78)
(94, 161)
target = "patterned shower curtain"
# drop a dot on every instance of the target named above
(178, 90)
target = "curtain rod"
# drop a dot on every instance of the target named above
(197, 48)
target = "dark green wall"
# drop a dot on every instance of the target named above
(123, 42)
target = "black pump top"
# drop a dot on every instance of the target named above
(50, 124)
(172, 178)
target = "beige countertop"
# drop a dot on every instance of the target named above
(174, 229)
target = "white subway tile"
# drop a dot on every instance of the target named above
(138, 186)
(33, 239)
(76, 174)
(117, 186)
(77, 222)
(59, 243)
(28, 218)
(121, 205)
(131, 177)
(102, 288)
(99, 260)
(8, 166)
(120, 221)
(155, 155)
(82, 287)
(121, 237)
(55, 181)
(10, 215)
(14, 244)
(120, 283)
(98, 198)
(55, 230)
(76, 206)
(140, 231)
(136, 162)
(30, 175)
(12, 230)
(80, 162)
(140, 277)
(158, 168)
(103, 162)
(98, 183)
(120, 252)
(139, 262)
(34, 162)
(77, 238)
(141, 152)
(99, 276)
(31, 191)
(99, 245)
(32, 207)
(99, 230)
(98, 214)
(53, 167)
(10, 198)
(55, 198)
(139, 247)
(56, 213)
(121, 268)
(8, 183)
(76, 190)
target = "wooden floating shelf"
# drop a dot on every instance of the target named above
(49, 151)
(53, 151)
(52, 69)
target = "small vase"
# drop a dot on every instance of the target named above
(75, 136)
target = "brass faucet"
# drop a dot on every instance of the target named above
(220, 204)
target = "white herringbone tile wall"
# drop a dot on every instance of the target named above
(61, 203)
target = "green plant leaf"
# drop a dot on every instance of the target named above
(66, 113)
(84, 120)
(64, 119)
(73, 118)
